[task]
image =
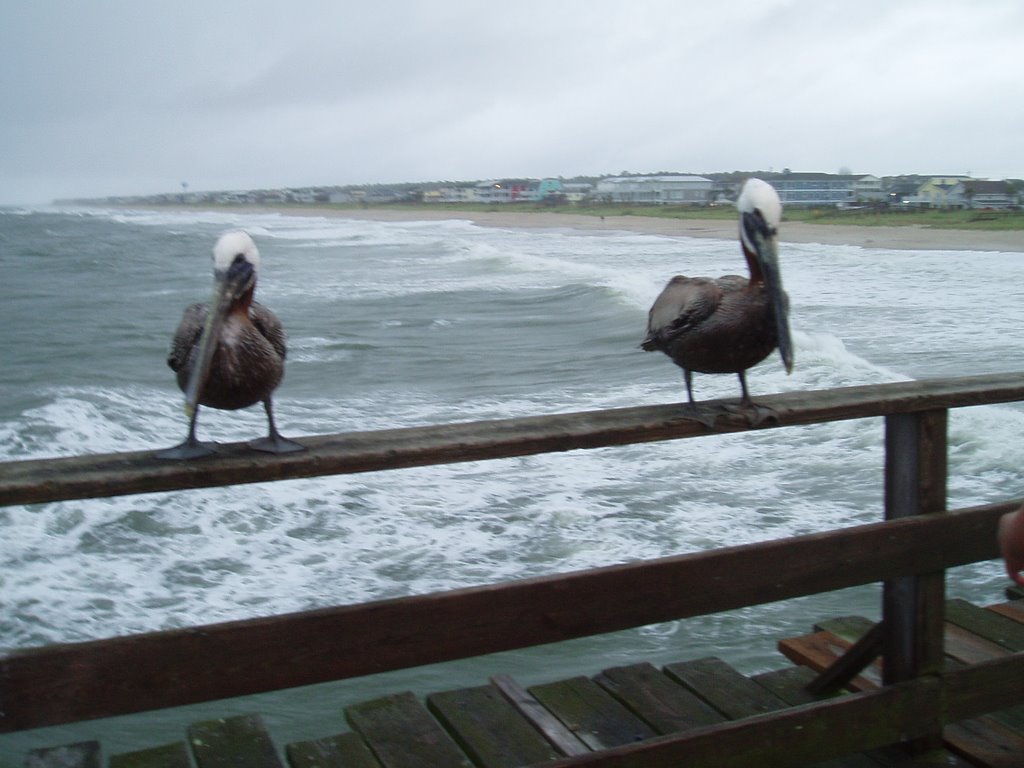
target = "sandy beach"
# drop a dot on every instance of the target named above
(910, 237)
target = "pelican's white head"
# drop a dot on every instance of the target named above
(760, 215)
(230, 246)
(758, 196)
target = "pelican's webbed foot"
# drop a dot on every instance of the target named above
(190, 449)
(755, 414)
(274, 443)
(703, 414)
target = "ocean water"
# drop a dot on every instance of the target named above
(402, 324)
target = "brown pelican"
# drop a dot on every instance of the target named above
(730, 324)
(229, 354)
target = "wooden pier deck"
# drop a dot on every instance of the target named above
(500, 724)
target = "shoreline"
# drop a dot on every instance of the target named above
(911, 237)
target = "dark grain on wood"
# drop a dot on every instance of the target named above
(986, 743)
(795, 736)
(987, 624)
(851, 663)
(664, 704)
(27, 482)
(489, 729)
(166, 756)
(1012, 610)
(850, 628)
(560, 737)
(988, 686)
(725, 689)
(64, 683)
(912, 605)
(346, 750)
(819, 651)
(965, 647)
(402, 734)
(597, 719)
(789, 684)
(231, 742)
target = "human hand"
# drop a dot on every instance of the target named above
(1011, 544)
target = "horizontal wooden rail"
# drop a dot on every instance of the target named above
(834, 728)
(66, 683)
(117, 474)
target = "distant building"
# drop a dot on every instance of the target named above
(979, 193)
(940, 192)
(547, 190)
(826, 189)
(577, 192)
(655, 190)
(502, 191)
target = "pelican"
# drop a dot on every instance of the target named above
(730, 324)
(229, 354)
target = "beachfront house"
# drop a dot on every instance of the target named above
(826, 189)
(981, 193)
(655, 190)
(455, 194)
(940, 192)
(502, 191)
(576, 192)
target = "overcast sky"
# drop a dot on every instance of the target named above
(101, 98)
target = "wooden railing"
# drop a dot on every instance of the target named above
(909, 551)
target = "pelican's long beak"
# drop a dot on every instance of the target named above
(766, 247)
(228, 285)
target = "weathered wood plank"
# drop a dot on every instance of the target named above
(987, 624)
(986, 743)
(968, 648)
(167, 756)
(1011, 610)
(597, 719)
(849, 628)
(819, 650)
(912, 605)
(858, 657)
(665, 705)
(489, 729)
(987, 686)
(345, 750)
(724, 688)
(83, 754)
(233, 741)
(65, 683)
(787, 738)
(553, 729)
(402, 734)
(797, 736)
(789, 684)
(27, 482)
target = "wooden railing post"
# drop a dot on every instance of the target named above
(913, 606)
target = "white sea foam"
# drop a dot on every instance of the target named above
(401, 324)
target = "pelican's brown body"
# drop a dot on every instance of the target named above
(732, 323)
(229, 354)
(248, 362)
(713, 326)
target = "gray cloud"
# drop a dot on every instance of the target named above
(117, 97)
